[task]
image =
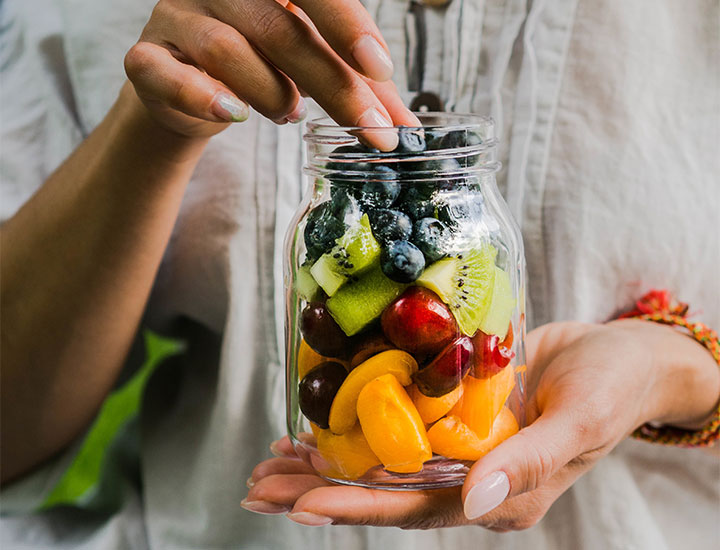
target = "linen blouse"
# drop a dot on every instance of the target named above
(609, 117)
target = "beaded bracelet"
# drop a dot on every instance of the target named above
(660, 306)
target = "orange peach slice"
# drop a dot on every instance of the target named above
(451, 438)
(348, 455)
(392, 425)
(308, 359)
(343, 411)
(482, 400)
(432, 408)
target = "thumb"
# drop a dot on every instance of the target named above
(521, 463)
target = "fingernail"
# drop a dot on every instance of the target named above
(275, 449)
(298, 113)
(385, 140)
(373, 58)
(263, 507)
(310, 519)
(230, 108)
(487, 495)
(373, 118)
(250, 483)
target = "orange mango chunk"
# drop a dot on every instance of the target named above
(432, 408)
(308, 359)
(482, 400)
(348, 455)
(392, 425)
(343, 411)
(451, 438)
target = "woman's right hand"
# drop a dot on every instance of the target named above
(200, 63)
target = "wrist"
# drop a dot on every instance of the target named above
(685, 379)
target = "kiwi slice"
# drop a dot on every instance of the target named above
(359, 303)
(465, 284)
(502, 303)
(305, 284)
(354, 252)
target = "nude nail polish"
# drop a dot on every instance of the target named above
(230, 108)
(373, 58)
(309, 519)
(385, 140)
(487, 495)
(264, 507)
(299, 113)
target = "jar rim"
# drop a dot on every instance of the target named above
(474, 122)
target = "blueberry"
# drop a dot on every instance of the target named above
(415, 202)
(321, 230)
(343, 203)
(459, 138)
(389, 225)
(381, 190)
(402, 261)
(432, 138)
(349, 152)
(456, 206)
(432, 165)
(410, 141)
(431, 236)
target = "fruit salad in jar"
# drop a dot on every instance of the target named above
(405, 306)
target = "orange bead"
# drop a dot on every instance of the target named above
(451, 438)
(432, 408)
(482, 400)
(392, 425)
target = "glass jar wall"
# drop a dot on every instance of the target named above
(404, 277)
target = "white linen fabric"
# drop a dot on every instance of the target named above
(609, 116)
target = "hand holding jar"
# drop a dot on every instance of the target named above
(589, 386)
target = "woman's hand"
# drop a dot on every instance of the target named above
(589, 387)
(200, 63)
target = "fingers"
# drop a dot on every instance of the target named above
(285, 489)
(387, 93)
(300, 53)
(160, 77)
(227, 56)
(523, 462)
(283, 447)
(274, 466)
(351, 32)
(359, 506)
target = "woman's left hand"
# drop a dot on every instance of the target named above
(589, 386)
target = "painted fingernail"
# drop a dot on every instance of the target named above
(250, 483)
(230, 108)
(275, 449)
(264, 507)
(298, 113)
(309, 519)
(373, 118)
(373, 58)
(385, 140)
(487, 495)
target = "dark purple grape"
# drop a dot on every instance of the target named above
(317, 391)
(322, 333)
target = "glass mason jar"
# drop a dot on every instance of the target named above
(404, 278)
